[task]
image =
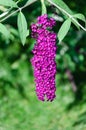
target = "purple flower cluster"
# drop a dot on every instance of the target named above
(43, 61)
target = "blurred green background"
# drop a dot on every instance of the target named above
(19, 107)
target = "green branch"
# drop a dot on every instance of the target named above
(26, 5)
(65, 12)
(44, 10)
(7, 11)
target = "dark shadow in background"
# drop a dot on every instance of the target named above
(80, 81)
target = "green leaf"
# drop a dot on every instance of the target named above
(8, 3)
(64, 29)
(22, 27)
(62, 5)
(4, 30)
(28, 32)
(80, 16)
(30, 1)
(75, 23)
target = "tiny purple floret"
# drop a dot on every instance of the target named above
(43, 61)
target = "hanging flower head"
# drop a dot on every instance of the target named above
(43, 61)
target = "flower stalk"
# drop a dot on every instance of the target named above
(44, 10)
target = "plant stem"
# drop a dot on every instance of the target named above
(44, 11)
(7, 11)
(70, 16)
(29, 3)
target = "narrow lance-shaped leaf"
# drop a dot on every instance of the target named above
(80, 16)
(4, 30)
(22, 27)
(28, 32)
(75, 23)
(30, 1)
(62, 4)
(64, 7)
(64, 29)
(8, 3)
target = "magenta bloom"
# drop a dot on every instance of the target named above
(43, 61)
